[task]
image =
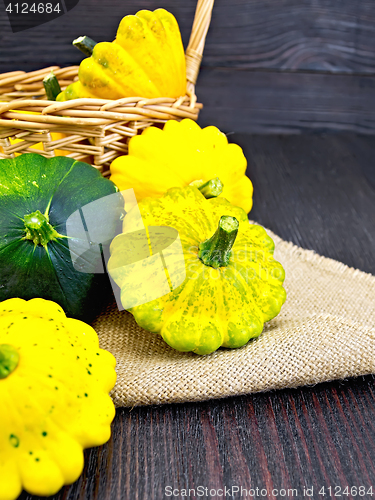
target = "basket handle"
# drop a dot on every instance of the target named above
(194, 51)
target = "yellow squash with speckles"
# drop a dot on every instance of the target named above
(147, 59)
(54, 384)
(232, 283)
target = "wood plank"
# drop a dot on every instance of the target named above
(283, 102)
(314, 35)
(316, 191)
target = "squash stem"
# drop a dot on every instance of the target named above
(9, 359)
(51, 86)
(39, 230)
(215, 252)
(85, 44)
(210, 189)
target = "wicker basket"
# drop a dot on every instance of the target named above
(95, 130)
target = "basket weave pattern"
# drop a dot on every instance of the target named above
(95, 130)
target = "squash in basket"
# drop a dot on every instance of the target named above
(38, 196)
(232, 283)
(180, 154)
(54, 384)
(146, 60)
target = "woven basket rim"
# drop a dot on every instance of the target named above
(96, 112)
(104, 125)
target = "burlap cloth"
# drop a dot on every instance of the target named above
(325, 331)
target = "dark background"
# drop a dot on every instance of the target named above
(271, 69)
(270, 66)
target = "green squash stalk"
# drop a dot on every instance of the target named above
(210, 189)
(215, 252)
(39, 230)
(85, 44)
(51, 86)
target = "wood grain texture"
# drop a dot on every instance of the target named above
(263, 62)
(316, 35)
(313, 35)
(262, 102)
(317, 191)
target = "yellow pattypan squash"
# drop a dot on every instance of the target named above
(54, 384)
(147, 59)
(181, 154)
(224, 283)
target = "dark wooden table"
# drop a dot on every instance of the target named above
(319, 192)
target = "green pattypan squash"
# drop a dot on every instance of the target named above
(54, 384)
(38, 197)
(232, 285)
